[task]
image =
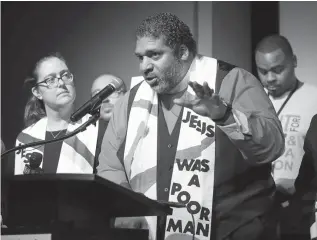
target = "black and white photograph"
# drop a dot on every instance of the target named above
(158, 120)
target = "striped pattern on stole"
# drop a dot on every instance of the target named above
(193, 173)
(77, 153)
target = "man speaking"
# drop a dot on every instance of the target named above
(197, 131)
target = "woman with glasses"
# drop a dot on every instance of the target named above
(47, 117)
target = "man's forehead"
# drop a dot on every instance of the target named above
(103, 81)
(274, 57)
(147, 43)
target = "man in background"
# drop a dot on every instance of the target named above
(107, 105)
(295, 104)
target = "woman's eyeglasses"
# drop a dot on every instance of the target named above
(53, 81)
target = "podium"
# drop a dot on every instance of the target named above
(74, 206)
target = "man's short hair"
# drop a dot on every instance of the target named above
(274, 42)
(168, 25)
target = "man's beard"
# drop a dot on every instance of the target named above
(172, 77)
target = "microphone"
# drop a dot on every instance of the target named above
(95, 102)
(33, 163)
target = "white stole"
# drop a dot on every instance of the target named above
(193, 173)
(77, 153)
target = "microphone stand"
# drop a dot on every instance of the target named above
(92, 120)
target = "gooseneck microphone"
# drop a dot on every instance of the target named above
(94, 103)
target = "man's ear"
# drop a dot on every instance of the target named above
(36, 93)
(183, 52)
(294, 61)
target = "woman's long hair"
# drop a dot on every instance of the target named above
(34, 108)
(34, 111)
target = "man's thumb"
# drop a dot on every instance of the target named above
(182, 102)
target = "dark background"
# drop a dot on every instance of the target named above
(31, 30)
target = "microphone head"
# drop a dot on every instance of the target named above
(117, 83)
(94, 103)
